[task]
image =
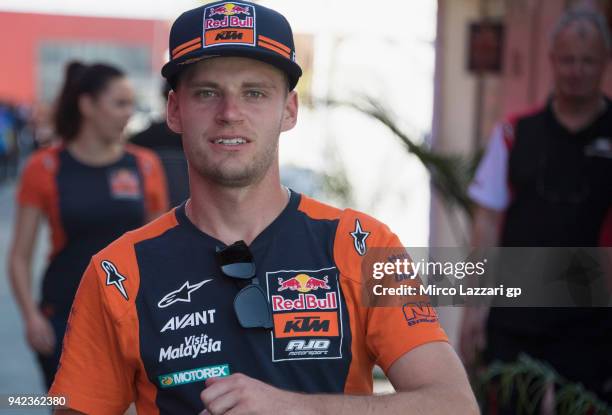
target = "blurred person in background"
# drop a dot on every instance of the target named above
(545, 182)
(11, 126)
(42, 125)
(168, 146)
(90, 188)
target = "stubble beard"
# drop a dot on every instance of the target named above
(225, 173)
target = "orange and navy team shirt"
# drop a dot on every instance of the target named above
(87, 208)
(154, 317)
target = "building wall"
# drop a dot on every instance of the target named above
(461, 100)
(27, 31)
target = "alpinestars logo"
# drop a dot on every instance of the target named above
(193, 346)
(182, 294)
(359, 238)
(113, 277)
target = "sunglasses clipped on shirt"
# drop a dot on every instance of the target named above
(251, 303)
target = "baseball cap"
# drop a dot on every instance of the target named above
(227, 28)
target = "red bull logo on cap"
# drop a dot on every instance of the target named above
(303, 283)
(229, 15)
(229, 24)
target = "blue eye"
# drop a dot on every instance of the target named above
(255, 94)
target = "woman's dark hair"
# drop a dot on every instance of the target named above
(80, 80)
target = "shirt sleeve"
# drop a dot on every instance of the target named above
(31, 189)
(156, 190)
(490, 185)
(92, 374)
(405, 323)
(387, 326)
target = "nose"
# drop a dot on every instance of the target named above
(126, 109)
(229, 110)
(577, 68)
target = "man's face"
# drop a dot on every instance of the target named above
(578, 57)
(231, 112)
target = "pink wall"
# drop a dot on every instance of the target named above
(23, 31)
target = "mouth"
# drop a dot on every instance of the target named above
(230, 141)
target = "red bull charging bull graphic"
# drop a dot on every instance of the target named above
(303, 283)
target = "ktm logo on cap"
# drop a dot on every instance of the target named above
(229, 35)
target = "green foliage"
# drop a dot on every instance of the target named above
(526, 381)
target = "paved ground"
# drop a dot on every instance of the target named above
(18, 370)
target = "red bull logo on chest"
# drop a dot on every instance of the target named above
(303, 283)
(306, 304)
(304, 290)
(124, 184)
(229, 23)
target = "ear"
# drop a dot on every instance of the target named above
(290, 112)
(86, 105)
(173, 114)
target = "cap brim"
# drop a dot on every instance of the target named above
(171, 69)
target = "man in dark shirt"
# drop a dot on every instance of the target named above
(545, 182)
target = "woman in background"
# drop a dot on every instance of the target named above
(90, 188)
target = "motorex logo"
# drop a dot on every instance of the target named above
(193, 375)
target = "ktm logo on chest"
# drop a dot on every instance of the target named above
(306, 324)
